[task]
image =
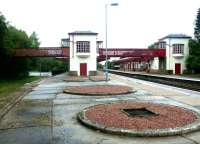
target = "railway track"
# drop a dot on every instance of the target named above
(178, 82)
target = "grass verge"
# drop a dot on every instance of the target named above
(10, 85)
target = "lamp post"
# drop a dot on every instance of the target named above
(169, 54)
(106, 31)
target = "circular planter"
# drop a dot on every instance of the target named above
(140, 119)
(100, 90)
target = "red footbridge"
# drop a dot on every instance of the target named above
(126, 54)
(42, 52)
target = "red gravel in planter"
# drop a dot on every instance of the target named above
(98, 90)
(167, 116)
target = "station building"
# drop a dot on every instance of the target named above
(177, 51)
(173, 62)
(83, 52)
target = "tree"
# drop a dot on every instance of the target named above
(34, 64)
(51, 64)
(193, 60)
(12, 38)
(16, 38)
(152, 46)
(110, 65)
(34, 40)
(3, 31)
(197, 26)
(5, 53)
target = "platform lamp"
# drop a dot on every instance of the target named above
(106, 28)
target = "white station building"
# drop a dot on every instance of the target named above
(177, 51)
(83, 52)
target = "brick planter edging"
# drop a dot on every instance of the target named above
(98, 94)
(103, 80)
(74, 80)
(141, 133)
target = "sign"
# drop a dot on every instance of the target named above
(54, 52)
(132, 52)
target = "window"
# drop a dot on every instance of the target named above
(82, 46)
(65, 42)
(178, 48)
(99, 45)
(162, 45)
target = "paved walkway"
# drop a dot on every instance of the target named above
(48, 116)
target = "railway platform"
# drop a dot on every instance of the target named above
(47, 115)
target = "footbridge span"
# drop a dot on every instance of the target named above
(111, 52)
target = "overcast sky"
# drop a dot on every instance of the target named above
(132, 24)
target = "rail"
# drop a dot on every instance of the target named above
(186, 83)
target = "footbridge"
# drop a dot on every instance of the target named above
(42, 52)
(126, 54)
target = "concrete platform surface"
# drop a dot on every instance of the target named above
(48, 116)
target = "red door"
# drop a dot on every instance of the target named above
(177, 68)
(83, 69)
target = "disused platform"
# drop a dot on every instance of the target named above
(47, 115)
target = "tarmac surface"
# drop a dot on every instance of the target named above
(48, 116)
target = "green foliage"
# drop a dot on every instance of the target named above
(194, 47)
(16, 38)
(50, 64)
(152, 46)
(197, 26)
(3, 31)
(34, 40)
(110, 65)
(193, 60)
(5, 54)
(99, 66)
(12, 38)
(9, 85)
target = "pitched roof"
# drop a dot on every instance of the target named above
(183, 36)
(83, 33)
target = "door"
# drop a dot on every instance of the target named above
(83, 69)
(177, 68)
